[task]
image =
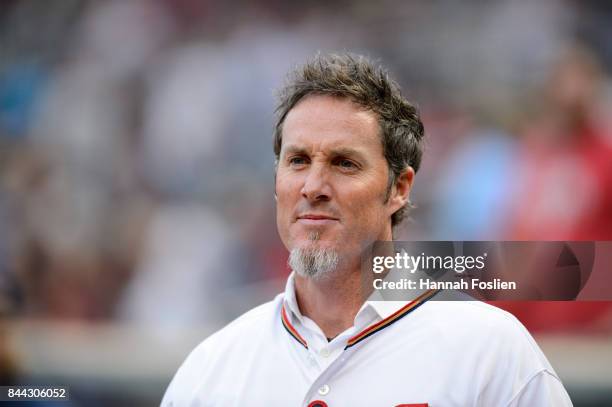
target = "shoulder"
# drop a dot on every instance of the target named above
(251, 319)
(482, 334)
(492, 341)
(226, 346)
(253, 322)
(505, 359)
(475, 315)
(476, 321)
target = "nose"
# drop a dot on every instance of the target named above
(316, 187)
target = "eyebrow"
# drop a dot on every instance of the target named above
(348, 152)
(293, 149)
(341, 151)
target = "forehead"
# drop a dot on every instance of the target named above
(327, 121)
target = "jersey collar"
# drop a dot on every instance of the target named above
(388, 312)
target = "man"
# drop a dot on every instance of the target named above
(347, 146)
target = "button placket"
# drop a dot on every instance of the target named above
(312, 360)
(322, 385)
(324, 390)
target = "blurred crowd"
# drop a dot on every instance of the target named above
(136, 164)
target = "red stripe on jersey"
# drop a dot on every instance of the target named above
(292, 331)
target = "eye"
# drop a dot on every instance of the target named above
(297, 160)
(345, 163)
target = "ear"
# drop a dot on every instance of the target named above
(400, 190)
(275, 172)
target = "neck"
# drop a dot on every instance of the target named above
(332, 302)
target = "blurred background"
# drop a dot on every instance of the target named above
(136, 166)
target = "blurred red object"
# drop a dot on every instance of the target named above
(558, 316)
(566, 165)
(567, 192)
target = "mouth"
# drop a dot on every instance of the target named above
(316, 219)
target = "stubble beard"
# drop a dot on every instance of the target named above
(313, 262)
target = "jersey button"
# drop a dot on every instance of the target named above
(325, 352)
(323, 390)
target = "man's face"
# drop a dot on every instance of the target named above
(331, 180)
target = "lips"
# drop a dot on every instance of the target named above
(316, 219)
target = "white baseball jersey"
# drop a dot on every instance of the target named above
(419, 353)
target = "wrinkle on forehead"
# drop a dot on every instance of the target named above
(324, 122)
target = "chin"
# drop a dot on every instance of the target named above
(308, 244)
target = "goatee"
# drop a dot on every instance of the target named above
(313, 262)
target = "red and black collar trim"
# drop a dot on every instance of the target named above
(396, 316)
(292, 331)
(372, 329)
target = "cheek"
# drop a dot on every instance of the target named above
(366, 206)
(286, 192)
